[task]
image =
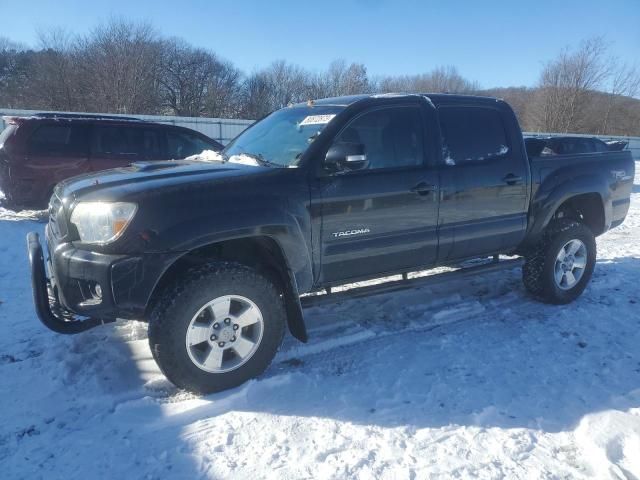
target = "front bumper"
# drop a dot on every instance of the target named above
(90, 285)
(45, 301)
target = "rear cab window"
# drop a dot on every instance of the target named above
(472, 134)
(59, 140)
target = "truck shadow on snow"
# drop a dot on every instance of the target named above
(498, 359)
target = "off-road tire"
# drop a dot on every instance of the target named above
(177, 305)
(538, 270)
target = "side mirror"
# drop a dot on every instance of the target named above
(346, 157)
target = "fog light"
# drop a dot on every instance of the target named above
(98, 290)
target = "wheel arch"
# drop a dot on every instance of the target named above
(585, 199)
(262, 252)
(587, 208)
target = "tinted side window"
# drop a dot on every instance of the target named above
(392, 137)
(182, 145)
(472, 134)
(600, 146)
(117, 141)
(59, 140)
(152, 145)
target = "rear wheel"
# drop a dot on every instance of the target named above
(558, 269)
(219, 326)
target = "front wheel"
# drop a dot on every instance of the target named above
(219, 326)
(558, 269)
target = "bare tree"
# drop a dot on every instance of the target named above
(55, 78)
(14, 68)
(445, 79)
(120, 67)
(520, 99)
(255, 96)
(566, 84)
(287, 83)
(345, 79)
(6, 45)
(223, 90)
(184, 77)
(624, 82)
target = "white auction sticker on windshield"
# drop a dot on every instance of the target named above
(317, 119)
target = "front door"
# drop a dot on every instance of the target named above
(382, 218)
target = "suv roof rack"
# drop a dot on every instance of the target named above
(92, 116)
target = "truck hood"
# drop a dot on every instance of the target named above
(141, 176)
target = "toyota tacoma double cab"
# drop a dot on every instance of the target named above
(221, 256)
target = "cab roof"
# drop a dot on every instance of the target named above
(436, 98)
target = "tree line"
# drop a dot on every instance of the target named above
(129, 68)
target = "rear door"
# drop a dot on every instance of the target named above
(55, 151)
(484, 182)
(383, 218)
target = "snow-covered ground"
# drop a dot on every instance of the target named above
(465, 380)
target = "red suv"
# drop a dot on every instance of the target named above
(39, 151)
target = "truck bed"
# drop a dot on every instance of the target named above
(610, 173)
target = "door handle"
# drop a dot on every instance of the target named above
(423, 188)
(512, 179)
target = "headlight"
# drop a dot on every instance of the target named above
(102, 222)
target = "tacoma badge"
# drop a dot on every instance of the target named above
(349, 233)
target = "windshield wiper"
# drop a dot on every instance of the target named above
(260, 159)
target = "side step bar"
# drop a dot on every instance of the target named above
(406, 283)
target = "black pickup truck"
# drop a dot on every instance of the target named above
(220, 256)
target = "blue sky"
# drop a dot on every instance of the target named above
(497, 43)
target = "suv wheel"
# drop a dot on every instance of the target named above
(219, 326)
(558, 269)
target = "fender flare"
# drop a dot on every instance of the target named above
(547, 203)
(280, 235)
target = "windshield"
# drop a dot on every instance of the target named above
(282, 137)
